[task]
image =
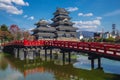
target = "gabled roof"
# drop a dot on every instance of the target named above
(41, 23)
(60, 17)
(61, 10)
(69, 28)
(63, 23)
(66, 34)
(46, 29)
(45, 34)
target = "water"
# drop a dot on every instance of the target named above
(109, 66)
(38, 69)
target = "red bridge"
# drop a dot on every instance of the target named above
(93, 49)
(104, 49)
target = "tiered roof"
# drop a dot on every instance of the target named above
(63, 24)
(43, 30)
(61, 11)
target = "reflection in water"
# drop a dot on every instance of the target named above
(47, 70)
(3, 64)
(110, 66)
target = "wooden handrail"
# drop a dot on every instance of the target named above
(101, 48)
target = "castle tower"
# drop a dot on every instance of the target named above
(63, 25)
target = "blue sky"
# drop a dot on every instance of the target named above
(90, 15)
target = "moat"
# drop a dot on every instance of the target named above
(40, 69)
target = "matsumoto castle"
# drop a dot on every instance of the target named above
(61, 28)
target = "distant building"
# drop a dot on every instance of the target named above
(97, 35)
(88, 34)
(85, 35)
(113, 33)
(81, 36)
(106, 35)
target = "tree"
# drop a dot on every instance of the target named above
(26, 34)
(117, 39)
(19, 34)
(15, 31)
(4, 27)
(110, 39)
(5, 35)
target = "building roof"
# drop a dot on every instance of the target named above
(61, 11)
(66, 34)
(45, 34)
(63, 23)
(61, 17)
(42, 22)
(46, 29)
(69, 28)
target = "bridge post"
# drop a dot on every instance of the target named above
(91, 57)
(25, 52)
(99, 63)
(21, 54)
(34, 53)
(45, 53)
(50, 54)
(15, 52)
(39, 52)
(69, 57)
(18, 52)
(30, 54)
(63, 58)
(92, 63)
(1, 48)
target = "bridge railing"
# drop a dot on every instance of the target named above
(100, 48)
(34, 43)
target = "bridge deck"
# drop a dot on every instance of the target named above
(102, 49)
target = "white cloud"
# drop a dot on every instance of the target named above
(25, 16)
(18, 2)
(10, 9)
(99, 18)
(6, 1)
(10, 6)
(80, 14)
(85, 15)
(113, 13)
(31, 18)
(72, 9)
(93, 24)
(88, 14)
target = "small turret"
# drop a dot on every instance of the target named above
(43, 30)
